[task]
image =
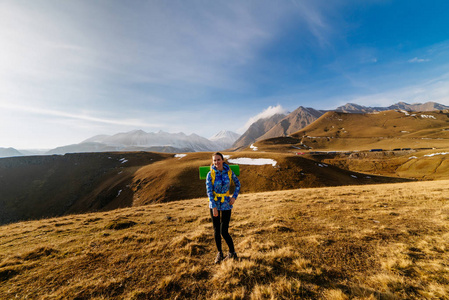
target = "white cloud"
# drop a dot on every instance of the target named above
(268, 112)
(418, 60)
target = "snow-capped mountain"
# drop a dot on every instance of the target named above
(139, 140)
(356, 108)
(225, 138)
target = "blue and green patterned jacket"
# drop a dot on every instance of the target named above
(221, 186)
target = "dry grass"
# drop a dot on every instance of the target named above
(356, 242)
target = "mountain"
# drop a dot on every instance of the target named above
(428, 106)
(389, 130)
(9, 152)
(139, 140)
(296, 120)
(225, 139)
(353, 108)
(256, 130)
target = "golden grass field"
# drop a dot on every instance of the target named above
(388, 241)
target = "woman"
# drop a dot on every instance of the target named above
(218, 182)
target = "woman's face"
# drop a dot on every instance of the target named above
(217, 161)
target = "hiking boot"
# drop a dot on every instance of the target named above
(231, 255)
(219, 257)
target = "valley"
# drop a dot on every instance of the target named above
(352, 206)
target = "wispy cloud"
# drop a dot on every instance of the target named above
(82, 117)
(266, 113)
(418, 60)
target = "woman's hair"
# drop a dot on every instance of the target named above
(219, 154)
(222, 157)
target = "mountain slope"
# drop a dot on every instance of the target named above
(256, 130)
(296, 120)
(34, 187)
(389, 130)
(46, 186)
(225, 139)
(382, 124)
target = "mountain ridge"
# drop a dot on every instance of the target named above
(274, 126)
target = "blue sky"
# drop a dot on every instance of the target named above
(70, 70)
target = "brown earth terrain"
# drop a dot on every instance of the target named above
(386, 241)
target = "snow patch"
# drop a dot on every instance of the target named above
(179, 156)
(353, 176)
(119, 192)
(253, 161)
(123, 160)
(412, 157)
(428, 117)
(433, 154)
(254, 147)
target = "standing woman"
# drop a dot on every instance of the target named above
(218, 182)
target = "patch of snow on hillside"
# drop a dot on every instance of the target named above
(433, 154)
(428, 117)
(179, 156)
(254, 147)
(353, 176)
(119, 192)
(123, 160)
(226, 156)
(412, 157)
(404, 112)
(253, 161)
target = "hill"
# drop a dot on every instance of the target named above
(47, 186)
(352, 242)
(8, 152)
(385, 130)
(391, 143)
(34, 187)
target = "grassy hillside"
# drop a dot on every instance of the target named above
(33, 187)
(50, 186)
(177, 179)
(386, 130)
(385, 241)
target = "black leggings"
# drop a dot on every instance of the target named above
(221, 228)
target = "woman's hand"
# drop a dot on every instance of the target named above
(215, 211)
(232, 200)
